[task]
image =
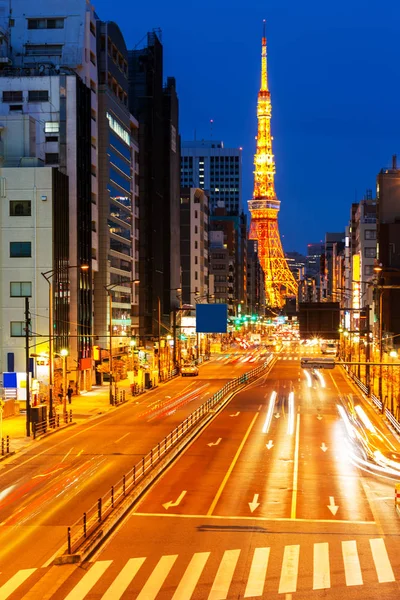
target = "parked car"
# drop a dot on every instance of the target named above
(189, 370)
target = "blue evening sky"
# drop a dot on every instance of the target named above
(335, 85)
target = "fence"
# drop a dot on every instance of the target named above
(92, 520)
(42, 427)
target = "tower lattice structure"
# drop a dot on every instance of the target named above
(264, 206)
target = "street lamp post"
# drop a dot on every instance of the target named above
(48, 275)
(64, 354)
(109, 289)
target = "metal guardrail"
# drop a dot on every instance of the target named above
(42, 427)
(91, 520)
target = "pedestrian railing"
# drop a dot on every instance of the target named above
(54, 422)
(5, 445)
(92, 519)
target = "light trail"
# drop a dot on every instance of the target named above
(308, 377)
(290, 428)
(270, 412)
(364, 418)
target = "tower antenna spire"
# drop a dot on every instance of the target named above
(264, 206)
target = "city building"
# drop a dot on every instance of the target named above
(221, 270)
(255, 298)
(156, 108)
(334, 244)
(118, 198)
(50, 74)
(208, 165)
(296, 263)
(194, 245)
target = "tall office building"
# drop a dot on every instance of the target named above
(208, 165)
(118, 197)
(49, 78)
(156, 109)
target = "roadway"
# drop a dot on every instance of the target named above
(268, 502)
(49, 486)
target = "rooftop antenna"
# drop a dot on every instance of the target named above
(211, 128)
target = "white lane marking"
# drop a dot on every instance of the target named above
(270, 412)
(121, 438)
(290, 427)
(321, 572)
(290, 567)
(258, 572)
(352, 569)
(191, 576)
(68, 453)
(12, 584)
(155, 582)
(223, 578)
(295, 469)
(214, 443)
(124, 578)
(168, 505)
(381, 559)
(89, 580)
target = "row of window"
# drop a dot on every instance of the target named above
(33, 96)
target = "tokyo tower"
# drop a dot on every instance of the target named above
(264, 206)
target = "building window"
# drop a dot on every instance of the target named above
(370, 252)
(52, 127)
(12, 96)
(20, 289)
(93, 28)
(196, 245)
(20, 208)
(20, 250)
(16, 107)
(196, 214)
(43, 49)
(46, 23)
(196, 260)
(17, 328)
(92, 58)
(196, 229)
(38, 96)
(370, 234)
(51, 138)
(51, 158)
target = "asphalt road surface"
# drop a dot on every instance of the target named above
(48, 487)
(268, 502)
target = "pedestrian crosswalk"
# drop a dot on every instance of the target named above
(232, 573)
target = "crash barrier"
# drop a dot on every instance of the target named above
(5, 445)
(377, 401)
(54, 422)
(136, 480)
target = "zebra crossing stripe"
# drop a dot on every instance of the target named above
(258, 571)
(12, 584)
(155, 582)
(352, 569)
(290, 567)
(322, 575)
(125, 576)
(383, 567)
(223, 578)
(89, 580)
(191, 576)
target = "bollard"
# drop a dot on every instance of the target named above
(2, 446)
(397, 497)
(84, 524)
(112, 496)
(8, 444)
(69, 539)
(99, 510)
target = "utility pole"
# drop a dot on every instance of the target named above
(28, 399)
(159, 336)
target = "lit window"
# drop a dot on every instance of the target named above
(52, 127)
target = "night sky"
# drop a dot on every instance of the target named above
(335, 86)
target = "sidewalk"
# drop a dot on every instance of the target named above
(85, 406)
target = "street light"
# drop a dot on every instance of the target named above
(64, 354)
(109, 289)
(48, 277)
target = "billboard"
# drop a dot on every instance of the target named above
(211, 318)
(319, 319)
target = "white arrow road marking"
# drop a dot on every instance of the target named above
(269, 445)
(237, 414)
(319, 417)
(215, 443)
(323, 447)
(167, 505)
(277, 416)
(254, 504)
(332, 507)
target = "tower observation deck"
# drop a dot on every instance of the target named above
(264, 206)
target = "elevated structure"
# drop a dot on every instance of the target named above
(264, 206)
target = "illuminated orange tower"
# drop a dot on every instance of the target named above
(264, 206)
